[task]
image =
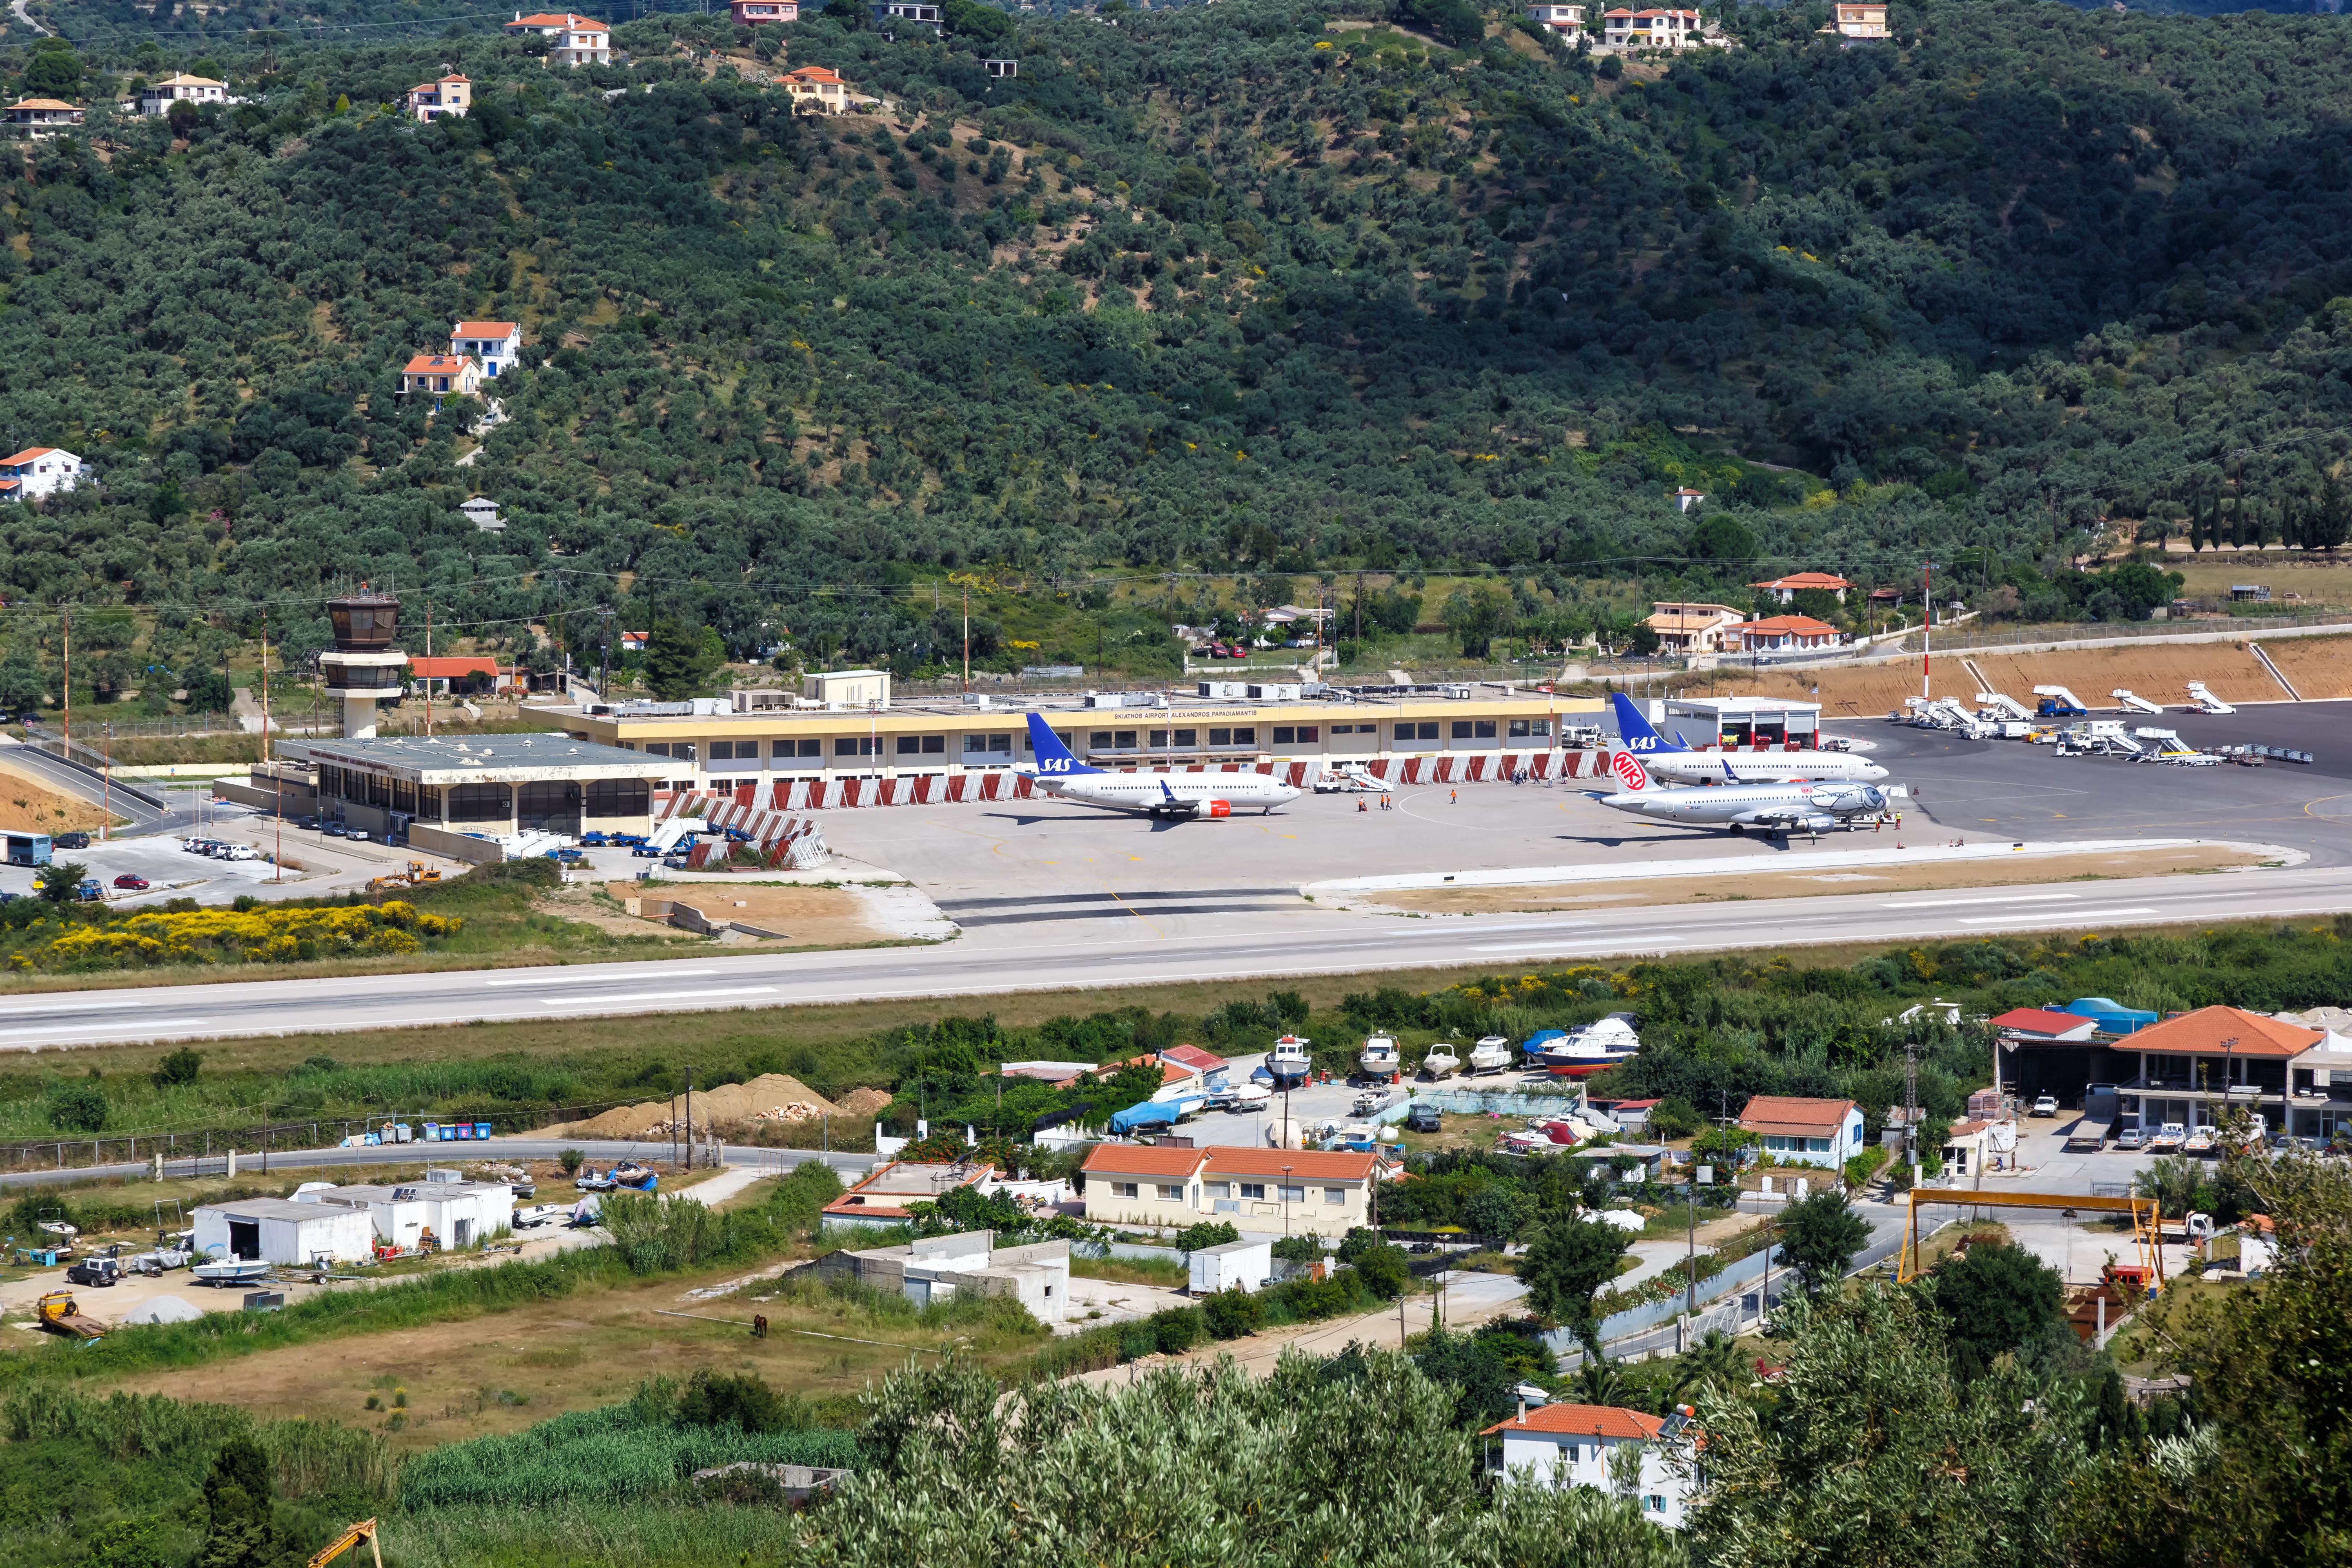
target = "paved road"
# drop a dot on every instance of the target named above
(602, 1152)
(1116, 954)
(26, 17)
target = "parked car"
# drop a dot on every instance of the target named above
(239, 852)
(136, 884)
(306, 824)
(332, 829)
(1422, 1118)
(2045, 1105)
(2200, 1142)
(70, 841)
(2131, 1137)
(357, 834)
(2169, 1136)
(99, 1271)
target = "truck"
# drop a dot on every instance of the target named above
(60, 1314)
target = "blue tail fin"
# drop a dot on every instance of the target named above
(1052, 757)
(1633, 731)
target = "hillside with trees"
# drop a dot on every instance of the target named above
(1257, 289)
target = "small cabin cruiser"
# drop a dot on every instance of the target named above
(1289, 1063)
(1380, 1058)
(1492, 1054)
(1441, 1062)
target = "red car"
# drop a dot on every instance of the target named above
(136, 884)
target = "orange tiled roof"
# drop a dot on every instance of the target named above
(28, 454)
(482, 329)
(1789, 1113)
(824, 76)
(2205, 1030)
(45, 103)
(1805, 580)
(555, 19)
(1141, 1160)
(1789, 625)
(437, 364)
(1584, 1420)
(1305, 1164)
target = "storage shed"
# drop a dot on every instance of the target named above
(458, 1214)
(1235, 1265)
(281, 1231)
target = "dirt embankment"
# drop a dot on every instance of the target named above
(2319, 666)
(26, 807)
(770, 1098)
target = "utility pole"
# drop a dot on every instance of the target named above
(106, 774)
(604, 671)
(1690, 1248)
(66, 620)
(1911, 1104)
(1927, 628)
(428, 670)
(967, 638)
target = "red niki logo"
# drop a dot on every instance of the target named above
(1629, 771)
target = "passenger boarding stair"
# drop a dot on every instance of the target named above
(2206, 702)
(2133, 703)
(2061, 703)
(2003, 705)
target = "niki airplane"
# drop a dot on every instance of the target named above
(1782, 808)
(1171, 796)
(1678, 764)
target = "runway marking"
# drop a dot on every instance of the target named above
(1131, 909)
(1530, 925)
(608, 978)
(107, 1028)
(2070, 915)
(659, 996)
(1940, 903)
(68, 1002)
(1531, 947)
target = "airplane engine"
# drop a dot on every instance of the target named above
(1213, 808)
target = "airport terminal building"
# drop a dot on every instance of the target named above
(472, 784)
(844, 740)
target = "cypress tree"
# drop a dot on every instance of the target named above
(243, 1533)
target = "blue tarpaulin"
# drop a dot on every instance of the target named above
(1150, 1113)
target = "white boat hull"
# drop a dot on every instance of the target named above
(1437, 1067)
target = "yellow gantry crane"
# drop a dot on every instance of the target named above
(363, 1530)
(2143, 1213)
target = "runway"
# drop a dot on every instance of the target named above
(1133, 949)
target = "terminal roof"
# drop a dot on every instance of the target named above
(438, 759)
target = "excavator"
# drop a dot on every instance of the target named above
(363, 1530)
(418, 874)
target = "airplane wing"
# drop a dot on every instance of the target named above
(1787, 819)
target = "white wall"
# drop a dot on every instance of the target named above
(1543, 1458)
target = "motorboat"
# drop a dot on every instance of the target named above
(1244, 1098)
(1534, 1046)
(1600, 1045)
(1289, 1063)
(537, 1215)
(219, 1272)
(629, 1173)
(1259, 1076)
(159, 1259)
(1491, 1053)
(1380, 1058)
(1441, 1062)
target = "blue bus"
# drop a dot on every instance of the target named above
(28, 849)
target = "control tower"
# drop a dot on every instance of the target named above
(363, 667)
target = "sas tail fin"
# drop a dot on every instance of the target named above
(1635, 731)
(1053, 759)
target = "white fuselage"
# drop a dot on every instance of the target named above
(1758, 767)
(1168, 794)
(1770, 807)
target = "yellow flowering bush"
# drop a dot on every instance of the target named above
(248, 936)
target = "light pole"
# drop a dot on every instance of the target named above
(1286, 1202)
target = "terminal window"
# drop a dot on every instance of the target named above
(922, 745)
(1302, 734)
(788, 749)
(986, 745)
(1521, 728)
(856, 746)
(1424, 732)
(724, 751)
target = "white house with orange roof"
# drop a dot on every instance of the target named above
(1624, 29)
(443, 376)
(40, 117)
(1561, 1446)
(497, 345)
(1558, 18)
(157, 98)
(452, 95)
(572, 40)
(751, 12)
(40, 472)
(1694, 629)
(1786, 589)
(818, 87)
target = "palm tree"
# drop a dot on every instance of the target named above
(1717, 1360)
(1599, 1381)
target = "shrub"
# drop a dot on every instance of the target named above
(1175, 1329)
(78, 1106)
(1674, 1116)
(740, 1400)
(1312, 1300)
(178, 1068)
(1305, 1248)
(572, 1159)
(1231, 1314)
(1382, 1271)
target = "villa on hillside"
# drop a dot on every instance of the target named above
(497, 345)
(1558, 18)
(1786, 589)
(455, 375)
(1651, 29)
(40, 472)
(158, 97)
(818, 87)
(41, 117)
(572, 40)
(1860, 21)
(452, 95)
(749, 13)
(1693, 628)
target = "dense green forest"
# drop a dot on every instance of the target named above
(1259, 288)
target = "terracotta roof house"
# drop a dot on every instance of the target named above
(1693, 628)
(497, 345)
(1801, 1132)
(2039, 1025)
(157, 98)
(816, 87)
(1785, 589)
(572, 40)
(1779, 632)
(1558, 18)
(1558, 1446)
(883, 1196)
(451, 96)
(39, 117)
(40, 472)
(2196, 1067)
(452, 375)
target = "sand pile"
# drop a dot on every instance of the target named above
(772, 1097)
(865, 1102)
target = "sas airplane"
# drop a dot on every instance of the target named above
(1680, 764)
(1173, 796)
(1776, 808)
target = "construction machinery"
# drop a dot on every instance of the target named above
(418, 874)
(61, 1314)
(2205, 702)
(2133, 702)
(363, 1530)
(2143, 1212)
